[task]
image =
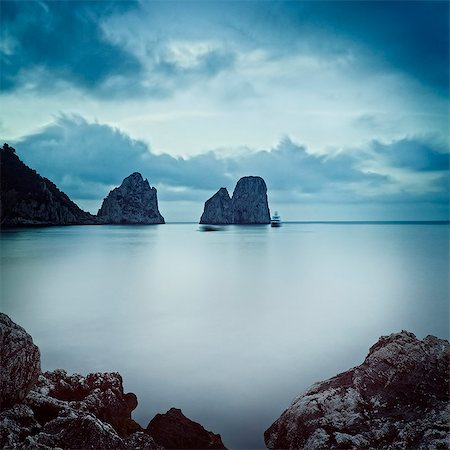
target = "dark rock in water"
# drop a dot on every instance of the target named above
(133, 202)
(250, 201)
(218, 209)
(247, 206)
(396, 399)
(27, 199)
(19, 362)
(173, 430)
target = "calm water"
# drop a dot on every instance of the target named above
(228, 326)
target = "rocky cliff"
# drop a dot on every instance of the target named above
(133, 202)
(57, 410)
(247, 206)
(396, 399)
(218, 209)
(27, 199)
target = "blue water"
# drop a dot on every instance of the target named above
(229, 326)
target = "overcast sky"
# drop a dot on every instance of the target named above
(342, 107)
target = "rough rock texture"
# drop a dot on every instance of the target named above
(247, 206)
(396, 399)
(250, 201)
(133, 202)
(218, 209)
(56, 410)
(19, 363)
(173, 430)
(27, 199)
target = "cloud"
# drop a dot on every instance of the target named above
(46, 43)
(415, 154)
(87, 159)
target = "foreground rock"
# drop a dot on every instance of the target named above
(19, 361)
(133, 202)
(27, 199)
(397, 398)
(57, 410)
(248, 205)
(173, 430)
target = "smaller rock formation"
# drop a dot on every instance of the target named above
(247, 206)
(397, 398)
(218, 209)
(27, 199)
(19, 361)
(173, 430)
(133, 202)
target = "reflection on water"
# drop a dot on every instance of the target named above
(227, 326)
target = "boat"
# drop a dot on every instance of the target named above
(276, 220)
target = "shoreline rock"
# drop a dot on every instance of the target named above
(397, 398)
(57, 410)
(28, 199)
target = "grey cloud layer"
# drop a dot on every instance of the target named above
(87, 159)
(95, 45)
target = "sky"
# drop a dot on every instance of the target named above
(341, 106)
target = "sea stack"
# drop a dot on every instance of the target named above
(397, 398)
(249, 201)
(247, 206)
(133, 202)
(218, 209)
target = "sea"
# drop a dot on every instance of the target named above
(229, 325)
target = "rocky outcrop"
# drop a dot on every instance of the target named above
(173, 430)
(27, 199)
(133, 202)
(247, 206)
(218, 209)
(250, 201)
(397, 398)
(19, 361)
(57, 410)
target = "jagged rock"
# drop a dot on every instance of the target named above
(20, 362)
(27, 199)
(173, 430)
(396, 399)
(218, 209)
(133, 202)
(100, 394)
(247, 206)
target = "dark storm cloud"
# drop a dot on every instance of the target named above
(60, 40)
(410, 36)
(78, 156)
(87, 159)
(415, 154)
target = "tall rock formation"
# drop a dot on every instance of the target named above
(27, 199)
(218, 209)
(247, 206)
(20, 362)
(133, 202)
(249, 200)
(397, 398)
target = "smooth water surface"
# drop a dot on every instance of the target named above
(229, 326)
